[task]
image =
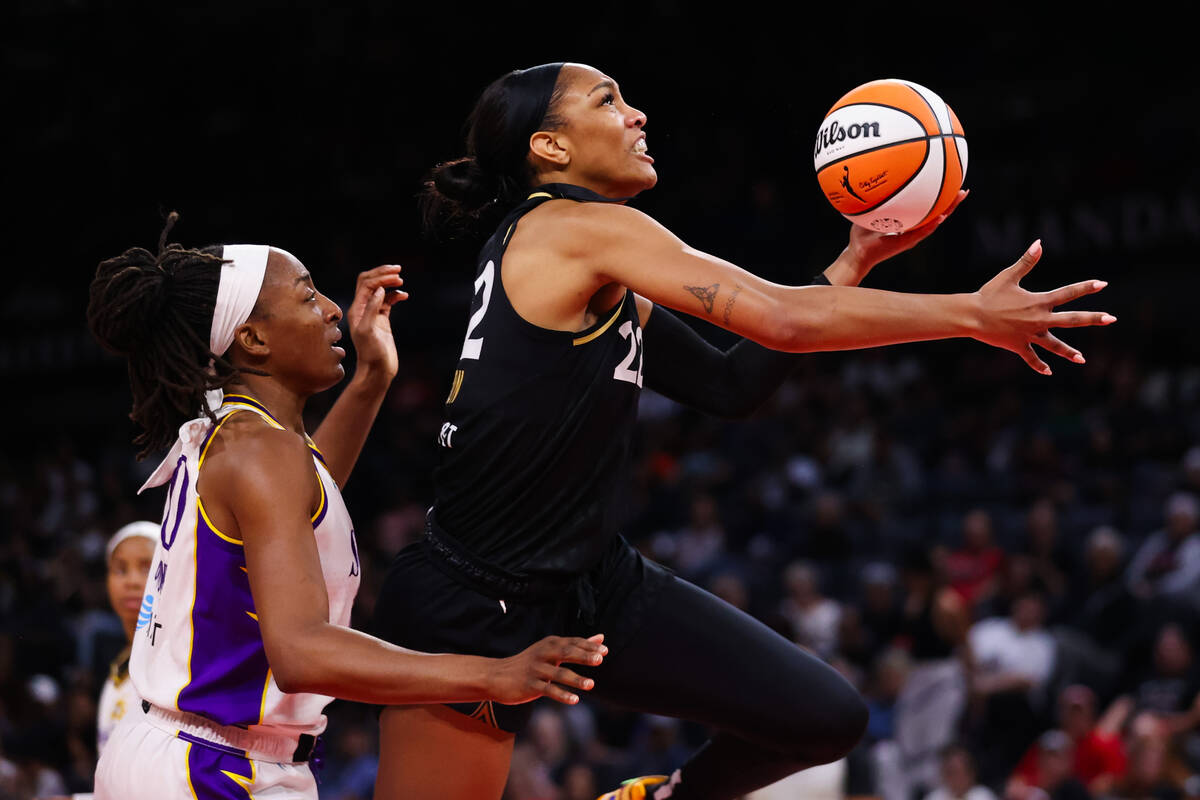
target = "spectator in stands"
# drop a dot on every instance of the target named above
(1013, 659)
(813, 616)
(958, 777)
(973, 569)
(1168, 562)
(1055, 770)
(1099, 759)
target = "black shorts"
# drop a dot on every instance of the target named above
(439, 604)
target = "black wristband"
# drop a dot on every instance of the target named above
(821, 280)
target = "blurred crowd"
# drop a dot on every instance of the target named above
(1006, 566)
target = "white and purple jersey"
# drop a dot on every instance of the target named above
(118, 701)
(198, 647)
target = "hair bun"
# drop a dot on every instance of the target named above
(464, 181)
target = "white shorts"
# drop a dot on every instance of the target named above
(143, 761)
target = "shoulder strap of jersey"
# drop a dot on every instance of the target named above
(539, 195)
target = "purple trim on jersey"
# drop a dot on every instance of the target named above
(224, 748)
(228, 662)
(250, 401)
(206, 764)
(320, 457)
(324, 503)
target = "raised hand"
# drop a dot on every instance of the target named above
(376, 291)
(867, 249)
(1015, 319)
(536, 672)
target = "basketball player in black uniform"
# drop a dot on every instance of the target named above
(569, 321)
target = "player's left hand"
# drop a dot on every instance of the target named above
(869, 248)
(370, 323)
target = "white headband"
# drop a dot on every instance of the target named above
(148, 530)
(241, 281)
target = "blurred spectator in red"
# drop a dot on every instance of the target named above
(973, 569)
(1055, 772)
(1099, 759)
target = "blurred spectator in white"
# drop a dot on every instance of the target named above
(700, 544)
(824, 782)
(812, 616)
(930, 704)
(958, 778)
(1168, 562)
(1013, 659)
(1016, 652)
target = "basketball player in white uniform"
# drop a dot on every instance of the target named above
(130, 553)
(243, 635)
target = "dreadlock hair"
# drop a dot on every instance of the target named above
(156, 311)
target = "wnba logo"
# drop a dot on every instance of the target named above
(834, 133)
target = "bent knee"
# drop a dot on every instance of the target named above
(843, 732)
(826, 733)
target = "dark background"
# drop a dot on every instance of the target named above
(310, 127)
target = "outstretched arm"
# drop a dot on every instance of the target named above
(681, 365)
(815, 318)
(341, 435)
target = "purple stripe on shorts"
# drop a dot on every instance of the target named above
(224, 748)
(205, 765)
(228, 663)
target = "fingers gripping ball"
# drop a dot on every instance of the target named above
(890, 155)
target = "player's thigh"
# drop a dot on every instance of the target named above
(699, 658)
(433, 751)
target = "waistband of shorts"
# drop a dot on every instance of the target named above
(255, 745)
(484, 576)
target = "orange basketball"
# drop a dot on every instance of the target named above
(890, 155)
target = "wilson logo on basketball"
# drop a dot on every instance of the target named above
(834, 133)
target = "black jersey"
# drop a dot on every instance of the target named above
(535, 443)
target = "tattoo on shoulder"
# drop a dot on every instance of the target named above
(705, 294)
(732, 299)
